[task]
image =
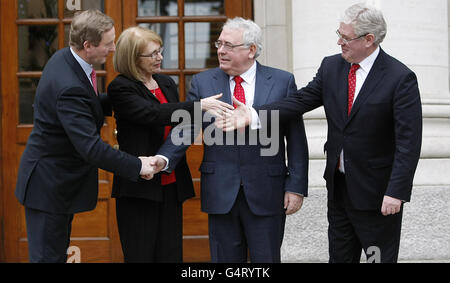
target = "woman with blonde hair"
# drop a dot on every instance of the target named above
(149, 212)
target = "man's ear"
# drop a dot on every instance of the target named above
(87, 45)
(252, 51)
(370, 39)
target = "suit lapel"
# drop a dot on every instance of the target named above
(221, 84)
(374, 77)
(168, 92)
(78, 70)
(263, 85)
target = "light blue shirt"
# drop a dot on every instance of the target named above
(87, 68)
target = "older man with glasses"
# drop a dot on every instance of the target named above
(247, 195)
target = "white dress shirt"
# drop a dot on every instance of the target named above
(248, 85)
(361, 75)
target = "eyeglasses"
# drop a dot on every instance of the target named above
(155, 53)
(226, 45)
(346, 41)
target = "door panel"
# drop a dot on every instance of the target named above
(31, 32)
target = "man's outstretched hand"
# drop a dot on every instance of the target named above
(240, 118)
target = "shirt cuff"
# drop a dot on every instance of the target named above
(167, 161)
(256, 123)
(296, 193)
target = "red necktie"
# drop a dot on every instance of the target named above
(165, 179)
(351, 86)
(239, 90)
(94, 80)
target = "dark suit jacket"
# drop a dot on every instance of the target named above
(224, 167)
(58, 171)
(140, 124)
(382, 136)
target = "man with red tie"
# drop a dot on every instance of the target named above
(247, 195)
(373, 109)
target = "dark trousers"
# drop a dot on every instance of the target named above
(235, 234)
(350, 231)
(151, 231)
(48, 235)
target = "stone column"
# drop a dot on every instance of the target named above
(274, 18)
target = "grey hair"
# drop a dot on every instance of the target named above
(252, 32)
(366, 19)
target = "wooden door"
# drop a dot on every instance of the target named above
(189, 29)
(31, 32)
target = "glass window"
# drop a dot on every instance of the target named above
(27, 91)
(152, 8)
(36, 45)
(177, 81)
(199, 44)
(37, 9)
(188, 80)
(204, 8)
(169, 35)
(66, 35)
(73, 6)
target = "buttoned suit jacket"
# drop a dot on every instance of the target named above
(58, 171)
(381, 138)
(225, 167)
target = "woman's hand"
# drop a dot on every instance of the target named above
(215, 106)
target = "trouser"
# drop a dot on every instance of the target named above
(234, 235)
(350, 231)
(48, 235)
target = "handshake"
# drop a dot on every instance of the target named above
(151, 165)
(228, 118)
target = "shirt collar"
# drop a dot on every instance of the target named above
(367, 63)
(249, 75)
(87, 68)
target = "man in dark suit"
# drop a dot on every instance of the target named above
(245, 192)
(374, 115)
(58, 173)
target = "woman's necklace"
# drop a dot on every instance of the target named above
(152, 85)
